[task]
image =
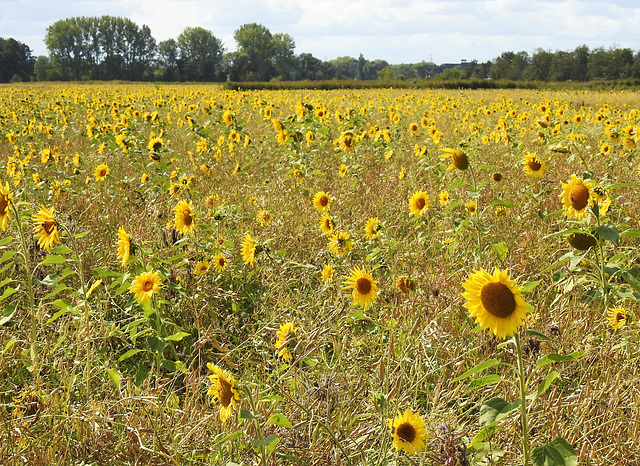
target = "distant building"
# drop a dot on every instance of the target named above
(462, 65)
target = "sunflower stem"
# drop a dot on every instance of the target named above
(259, 433)
(604, 283)
(523, 400)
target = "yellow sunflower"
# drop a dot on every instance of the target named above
(101, 172)
(495, 302)
(249, 250)
(224, 390)
(155, 144)
(5, 206)
(419, 203)
(220, 262)
(145, 285)
(46, 228)
(202, 267)
(227, 117)
(326, 224)
(124, 246)
(617, 317)
(577, 197)
(533, 165)
(372, 228)
(184, 221)
(459, 159)
(340, 243)
(408, 431)
(321, 201)
(365, 291)
(444, 198)
(264, 217)
(283, 336)
(327, 273)
(472, 207)
(342, 171)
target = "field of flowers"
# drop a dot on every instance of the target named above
(190, 275)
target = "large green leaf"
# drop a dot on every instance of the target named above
(559, 452)
(482, 366)
(495, 409)
(551, 358)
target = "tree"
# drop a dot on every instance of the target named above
(255, 42)
(540, 68)
(308, 66)
(284, 60)
(346, 67)
(168, 60)
(200, 55)
(16, 62)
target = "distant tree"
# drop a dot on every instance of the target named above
(308, 67)
(371, 69)
(346, 67)
(200, 55)
(167, 63)
(509, 65)
(16, 62)
(284, 60)
(255, 43)
(540, 68)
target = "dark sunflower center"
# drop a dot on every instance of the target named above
(49, 227)
(406, 432)
(364, 285)
(221, 262)
(579, 196)
(534, 165)
(619, 317)
(420, 203)
(147, 286)
(187, 218)
(324, 201)
(103, 173)
(498, 299)
(4, 203)
(224, 393)
(157, 146)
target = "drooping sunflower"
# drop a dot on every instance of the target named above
(340, 243)
(283, 336)
(495, 301)
(5, 206)
(145, 285)
(220, 262)
(372, 228)
(321, 201)
(46, 228)
(326, 224)
(327, 273)
(184, 220)
(459, 159)
(617, 317)
(365, 290)
(419, 203)
(249, 250)
(202, 267)
(224, 390)
(582, 241)
(124, 246)
(533, 165)
(577, 197)
(408, 431)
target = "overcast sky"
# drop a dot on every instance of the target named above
(399, 31)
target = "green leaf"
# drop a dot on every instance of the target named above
(53, 260)
(156, 344)
(115, 376)
(265, 441)
(279, 420)
(535, 333)
(59, 287)
(501, 250)
(486, 380)
(631, 280)
(493, 410)
(244, 414)
(60, 250)
(608, 232)
(271, 398)
(7, 314)
(529, 286)
(8, 291)
(128, 354)
(546, 383)
(6, 240)
(480, 367)
(558, 452)
(100, 272)
(82, 235)
(632, 232)
(482, 435)
(551, 358)
(226, 438)
(501, 202)
(457, 183)
(177, 336)
(7, 255)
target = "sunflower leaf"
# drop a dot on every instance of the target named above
(480, 367)
(482, 435)
(244, 414)
(493, 410)
(486, 380)
(551, 358)
(546, 383)
(609, 233)
(631, 280)
(501, 249)
(279, 420)
(558, 452)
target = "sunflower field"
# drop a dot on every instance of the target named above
(194, 275)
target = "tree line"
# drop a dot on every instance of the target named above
(116, 48)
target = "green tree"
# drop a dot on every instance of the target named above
(16, 62)
(256, 47)
(168, 61)
(540, 69)
(284, 59)
(200, 55)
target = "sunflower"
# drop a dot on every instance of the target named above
(321, 201)
(283, 336)
(248, 250)
(145, 285)
(404, 284)
(202, 267)
(365, 291)
(327, 273)
(220, 262)
(372, 228)
(340, 243)
(343, 170)
(495, 302)
(472, 207)
(408, 432)
(224, 390)
(101, 172)
(419, 203)
(413, 128)
(444, 198)
(155, 144)
(581, 241)
(264, 217)
(124, 246)
(184, 221)
(5, 206)
(227, 117)
(605, 149)
(617, 317)
(602, 199)
(46, 228)
(326, 224)
(459, 159)
(577, 197)
(533, 165)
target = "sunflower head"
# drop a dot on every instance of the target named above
(419, 203)
(101, 172)
(404, 284)
(5, 206)
(321, 201)
(124, 246)
(577, 197)
(326, 224)
(184, 220)
(617, 317)
(533, 165)
(327, 273)
(340, 243)
(459, 159)
(581, 241)
(408, 431)
(249, 250)
(364, 288)
(202, 267)
(46, 228)
(145, 285)
(283, 338)
(223, 390)
(372, 228)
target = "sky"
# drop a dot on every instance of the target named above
(398, 31)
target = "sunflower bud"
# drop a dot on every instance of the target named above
(581, 241)
(459, 159)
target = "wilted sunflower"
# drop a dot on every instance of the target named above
(124, 246)
(326, 224)
(365, 291)
(408, 432)
(617, 317)
(340, 243)
(248, 250)
(321, 201)
(327, 273)
(283, 336)
(577, 197)
(184, 221)
(533, 165)
(145, 285)
(495, 302)
(419, 203)
(223, 389)
(372, 228)
(220, 262)
(101, 172)
(459, 159)
(5, 206)
(581, 241)
(404, 284)
(202, 267)
(46, 228)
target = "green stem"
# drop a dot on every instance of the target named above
(260, 434)
(604, 283)
(523, 399)
(476, 213)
